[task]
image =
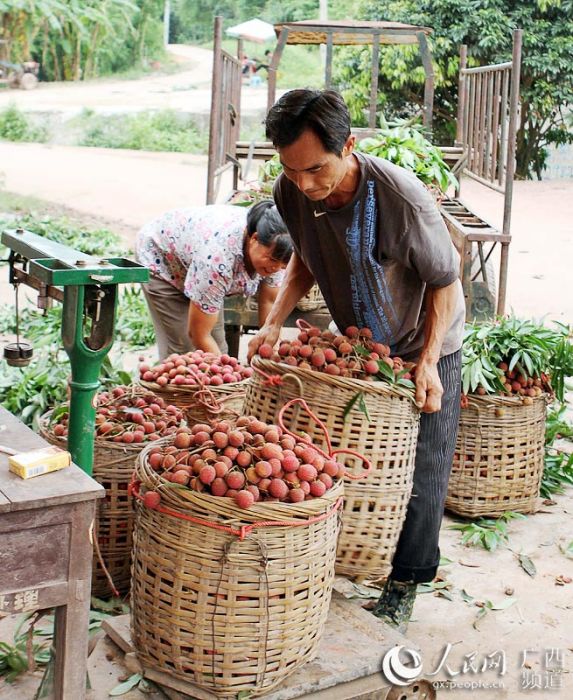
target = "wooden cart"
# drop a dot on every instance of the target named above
(484, 148)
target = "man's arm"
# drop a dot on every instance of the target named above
(199, 329)
(440, 303)
(298, 280)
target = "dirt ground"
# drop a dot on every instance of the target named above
(526, 615)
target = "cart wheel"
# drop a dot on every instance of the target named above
(28, 81)
(418, 690)
(13, 79)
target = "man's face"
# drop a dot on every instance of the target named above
(316, 172)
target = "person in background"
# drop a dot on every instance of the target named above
(372, 237)
(198, 256)
(266, 62)
(248, 66)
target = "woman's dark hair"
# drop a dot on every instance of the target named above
(264, 219)
(322, 111)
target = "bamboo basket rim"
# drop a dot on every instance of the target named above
(225, 507)
(376, 388)
(98, 440)
(478, 401)
(188, 389)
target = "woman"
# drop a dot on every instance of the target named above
(200, 255)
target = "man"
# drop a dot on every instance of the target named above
(371, 236)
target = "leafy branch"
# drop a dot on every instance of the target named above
(487, 532)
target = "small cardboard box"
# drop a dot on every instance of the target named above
(41, 461)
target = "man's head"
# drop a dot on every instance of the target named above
(311, 131)
(322, 111)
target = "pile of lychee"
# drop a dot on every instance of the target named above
(196, 369)
(128, 415)
(354, 354)
(248, 461)
(517, 383)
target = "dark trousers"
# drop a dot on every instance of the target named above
(417, 555)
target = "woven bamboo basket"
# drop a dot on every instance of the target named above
(203, 404)
(374, 507)
(113, 467)
(311, 301)
(498, 463)
(223, 612)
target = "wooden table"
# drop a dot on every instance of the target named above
(46, 552)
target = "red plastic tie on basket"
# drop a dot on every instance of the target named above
(270, 379)
(331, 453)
(244, 530)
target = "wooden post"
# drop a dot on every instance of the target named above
(461, 95)
(510, 170)
(215, 134)
(374, 80)
(429, 83)
(277, 53)
(328, 62)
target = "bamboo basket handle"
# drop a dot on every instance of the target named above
(331, 453)
(302, 324)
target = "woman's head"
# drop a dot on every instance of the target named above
(269, 244)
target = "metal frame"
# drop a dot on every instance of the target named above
(488, 107)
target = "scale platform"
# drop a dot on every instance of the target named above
(347, 666)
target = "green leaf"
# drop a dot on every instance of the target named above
(386, 371)
(527, 565)
(363, 407)
(350, 405)
(360, 591)
(126, 686)
(506, 603)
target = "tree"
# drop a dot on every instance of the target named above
(486, 26)
(76, 39)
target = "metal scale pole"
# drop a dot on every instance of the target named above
(89, 296)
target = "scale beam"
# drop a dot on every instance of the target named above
(87, 286)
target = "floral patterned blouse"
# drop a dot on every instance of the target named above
(199, 250)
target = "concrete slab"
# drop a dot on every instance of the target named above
(347, 665)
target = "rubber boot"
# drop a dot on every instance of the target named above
(396, 603)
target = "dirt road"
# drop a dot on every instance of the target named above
(187, 91)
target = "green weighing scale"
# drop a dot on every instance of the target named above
(89, 298)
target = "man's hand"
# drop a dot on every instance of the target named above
(429, 388)
(267, 334)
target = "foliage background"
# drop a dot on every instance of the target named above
(80, 39)
(486, 26)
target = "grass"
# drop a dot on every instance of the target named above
(17, 126)
(165, 130)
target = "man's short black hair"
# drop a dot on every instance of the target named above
(322, 111)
